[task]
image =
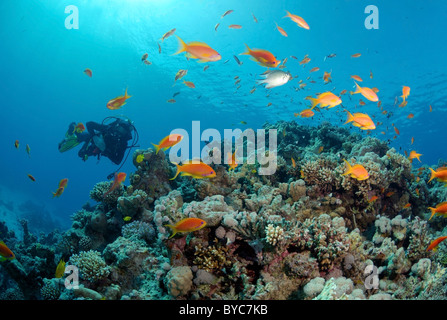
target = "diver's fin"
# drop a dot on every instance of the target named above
(68, 143)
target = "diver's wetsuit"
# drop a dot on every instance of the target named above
(114, 136)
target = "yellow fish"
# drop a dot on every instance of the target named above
(127, 218)
(140, 158)
(60, 269)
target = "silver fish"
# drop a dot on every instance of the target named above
(275, 78)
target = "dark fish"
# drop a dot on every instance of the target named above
(168, 34)
(254, 18)
(332, 55)
(226, 61)
(237, 60)
(175, 94)
(226, 13)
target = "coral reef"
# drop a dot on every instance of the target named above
(306, 232)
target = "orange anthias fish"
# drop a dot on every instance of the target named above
(88, 72)
(293, 162)
(281, 30)
(232, 160)
(305, 60)
(441, 209)
(118, 102)
(355, 77)
(414, 154)
(254, 18)
(168, 34)
(196, 169)
(440, 174)
(31, 177)
(5, 252)
(226, 13)
(262, 57)
(361, 120)
(79, 128)
(405, 92)
(167, 142)
(327, 77)
(187, 225)
(357, 171)
(372, 199)
(235, 26)
(366, 92)
(434, 244)
(119, 178)
(403, 104)
(326, 99)
(356, 55)
(58, 192)
(16, 144)
(63, 183)
(189, 84)
(198, 50)
(180, 74)
(298, 20)
(306, 113)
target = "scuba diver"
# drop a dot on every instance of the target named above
(101, 139)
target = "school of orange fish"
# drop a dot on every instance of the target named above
(202, 52)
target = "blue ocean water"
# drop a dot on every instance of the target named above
(43, 86)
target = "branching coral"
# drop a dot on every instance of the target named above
(320, 174)
(274, 234)
(91, 265)
(325, 237)
(212, 258)
(101, 188)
